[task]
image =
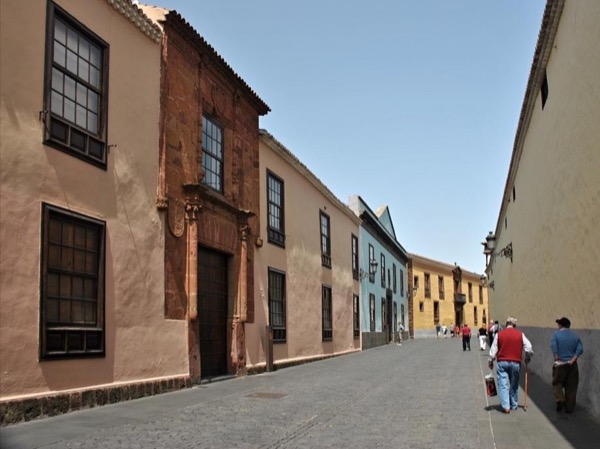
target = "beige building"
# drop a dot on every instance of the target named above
(82, 266)
(546, 261)
(306, 286)
(441, 294)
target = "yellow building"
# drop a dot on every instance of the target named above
(441, 294)
(546, 259)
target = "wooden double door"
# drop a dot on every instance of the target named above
(212, 312)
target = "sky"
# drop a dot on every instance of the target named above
(410, 104)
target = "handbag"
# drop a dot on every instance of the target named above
(490, 385)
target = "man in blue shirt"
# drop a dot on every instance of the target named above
(567, 348)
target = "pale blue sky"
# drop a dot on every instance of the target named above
(412, 104)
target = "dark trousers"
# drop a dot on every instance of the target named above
(466, 343)
(565, 380)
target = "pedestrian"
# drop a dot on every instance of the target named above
(437, 330)
(451, 330)
(567, 348)
(482, 338)
(466, 337)
(444, 331)
(507, 350)
(400, 330)
(494, 329)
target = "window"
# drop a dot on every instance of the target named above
(383, 315)
(544, 90)
(356, 314)
(72, 287)
(427, 285)
(371, 259)
(325, 240)
(480, 294)
(382, 270)
(402, 315)
(441, 286)
(276, 216)
(327, 314)
(470, 290)
(354, 257)
(436, 312)
(75, 89)
(484, 317)
(421, 306)
(212, 154)
(372, 311)
(416, 282)
(277, 312)
(475, 316)
(402, 283)
(394, 277)
(514, 194)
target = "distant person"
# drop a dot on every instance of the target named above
(451, 330)
(466, 337)
(437, 330)
(507, 349)
(494, 329)
(567, 348)
(444, 331)
(400, 331)
(482, 338)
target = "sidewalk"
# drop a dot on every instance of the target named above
(421, 395)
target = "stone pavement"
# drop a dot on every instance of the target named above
(424, 394)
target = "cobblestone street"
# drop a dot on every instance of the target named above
(423, 394)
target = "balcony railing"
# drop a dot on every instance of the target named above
(460, 298)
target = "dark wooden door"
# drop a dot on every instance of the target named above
(212, 311)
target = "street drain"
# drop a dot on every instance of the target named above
(266, 395)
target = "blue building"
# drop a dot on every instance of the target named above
(383, 269)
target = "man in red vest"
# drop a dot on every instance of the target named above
(507, 349)
(466, 334)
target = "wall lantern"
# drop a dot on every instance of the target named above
(372, 269)
(490, 244)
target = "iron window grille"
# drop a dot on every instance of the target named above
(382, 270)
(427, 286)
(327, 314)
(72, 285)
(402, 283)
(394, 280)
(277, 305)
(441, 287)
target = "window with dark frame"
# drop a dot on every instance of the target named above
(354, 257)
(371, 312)
(416, 282)
(327, 314)
(475, 320)
(436, 312)
(470, 291)
(212, 154)
(382, 270)
(325, 240)
(427, 285)
(402, 283)
(277, 306)
(76, 88)
(394, 279)
(383, 314)
(480, 294)
(356, 315)
(72, 287)
(544, 89)
(370, 268)
(275, 210)
(441, 287)
(421, 306)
